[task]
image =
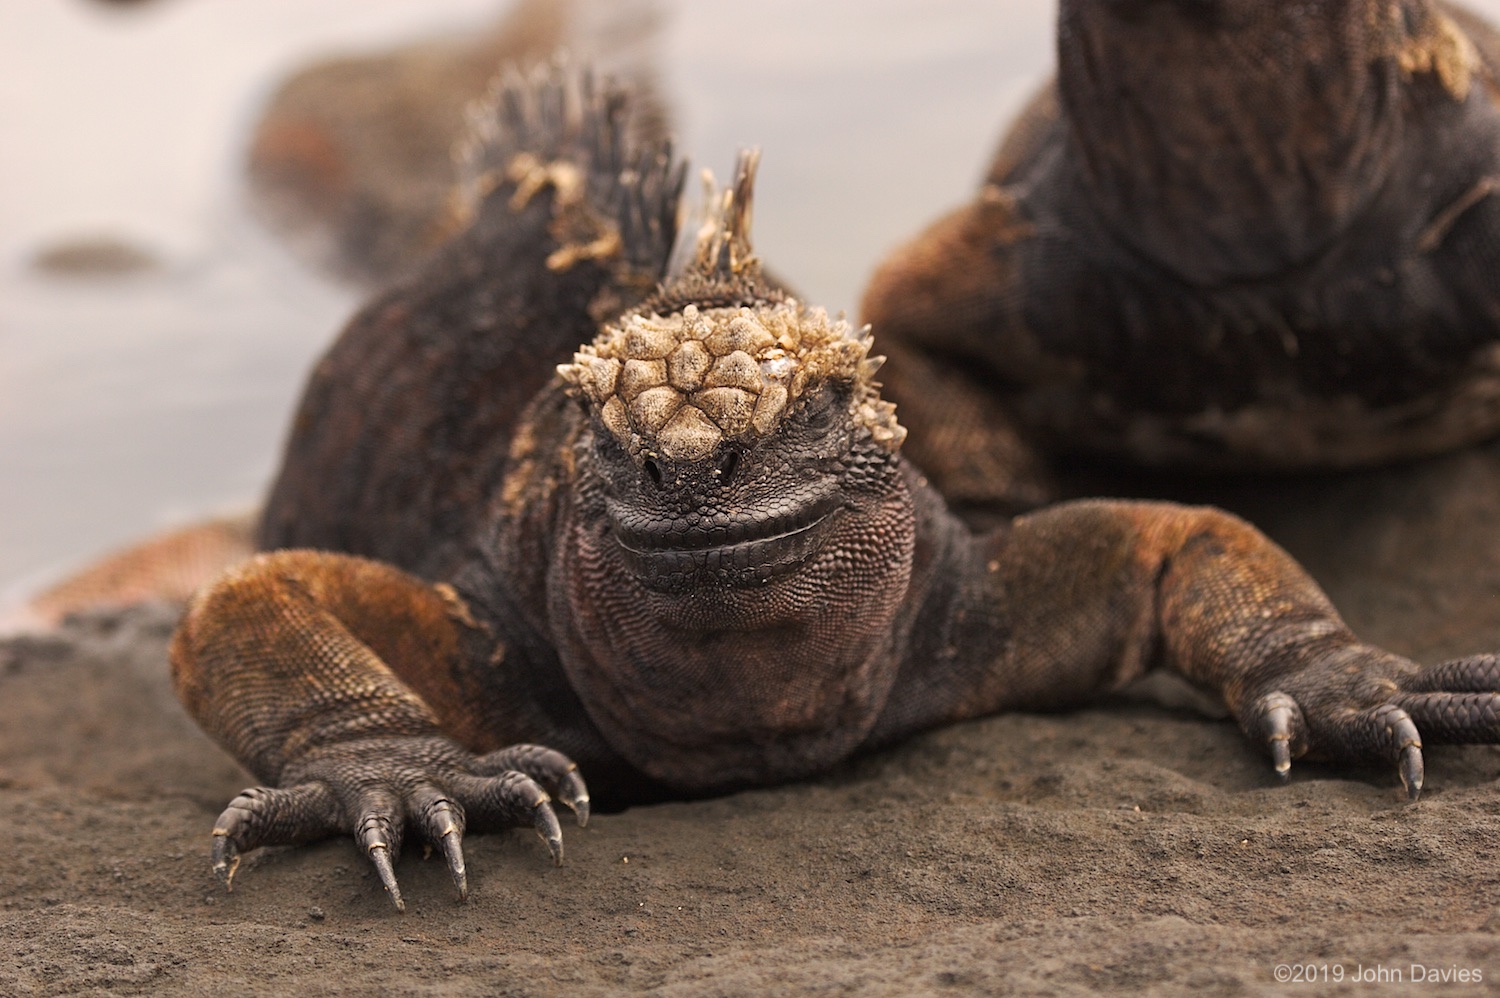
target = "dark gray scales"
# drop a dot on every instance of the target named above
(1230, 236)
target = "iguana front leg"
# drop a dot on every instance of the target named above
(332, 678)
(1086, 596)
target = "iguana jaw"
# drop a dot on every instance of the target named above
(748, 548)
(707, 677)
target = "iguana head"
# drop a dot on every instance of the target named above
(739, 533)
(730, 423)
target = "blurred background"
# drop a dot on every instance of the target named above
(154, 333)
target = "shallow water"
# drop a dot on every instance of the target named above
(149, 398)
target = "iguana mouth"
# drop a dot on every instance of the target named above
(740, 550)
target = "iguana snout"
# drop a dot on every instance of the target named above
(726, 520)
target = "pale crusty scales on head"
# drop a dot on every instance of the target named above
(694, 558)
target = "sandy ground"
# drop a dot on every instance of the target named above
(1124, 846)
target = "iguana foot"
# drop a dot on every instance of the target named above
(1366, 703)
(378, 788)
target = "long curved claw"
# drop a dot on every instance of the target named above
(266, 816)
(549, 831)
(1281, 755)
(226, 858)
(380, 855)
(379, 836)
(443, 825)
(574, 794)
(1412, 771)
(508, 800)
(453, 853)
(1385, 731)
(1402, 733)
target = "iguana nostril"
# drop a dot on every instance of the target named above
(653, 472)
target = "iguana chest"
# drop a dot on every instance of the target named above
(1372, 351)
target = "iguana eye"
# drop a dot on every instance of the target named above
(606, 447)
(820, 411)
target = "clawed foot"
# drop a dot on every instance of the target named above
(381, 788)
(1367, 704)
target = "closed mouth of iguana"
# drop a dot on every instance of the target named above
(739, 550)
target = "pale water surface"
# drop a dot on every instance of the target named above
(132, 403)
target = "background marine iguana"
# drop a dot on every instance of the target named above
(1232, 235)
(665, 530)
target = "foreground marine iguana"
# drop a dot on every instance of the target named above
(665, 530)
(1235, 235)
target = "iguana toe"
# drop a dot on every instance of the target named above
(442, 822)
(270, 816)
(1284, 729)
(1389, 729)
(549, 831)
(554, 771)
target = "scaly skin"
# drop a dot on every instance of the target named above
(669, 535)
(1235, 235)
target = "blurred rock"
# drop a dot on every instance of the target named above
(165, 569)
(94, 256)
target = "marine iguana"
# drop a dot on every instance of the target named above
(548, 510)
(1232, 235)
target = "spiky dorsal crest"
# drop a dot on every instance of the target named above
(718, 354)
(553, 126)
(724, 239)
